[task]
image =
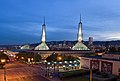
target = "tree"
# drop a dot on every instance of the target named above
(54, 57)
(27, 55)
(3, 56)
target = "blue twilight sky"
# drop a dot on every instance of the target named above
(21, 20)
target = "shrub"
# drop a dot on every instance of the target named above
(98, 73)
(73, 73)
(104, 75)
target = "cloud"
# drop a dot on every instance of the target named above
(103, 36)
(25, 18)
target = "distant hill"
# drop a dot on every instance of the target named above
(116, 42)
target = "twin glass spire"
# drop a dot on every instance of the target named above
(43, 39)
(43, 45)
(80, 35)
(78, 46)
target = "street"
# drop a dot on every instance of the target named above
(21, 72)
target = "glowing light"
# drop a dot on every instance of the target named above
(1, 50)
(59, 58)
(22, 57)
(55, 62)
(48, 63)
(45, 61)
(32, 59)
(70, 61)
(65, 61)
(11, 55)
(75, 64)
(60, 62)
(14, 56)
(70, 65)
(78, 60)
(28, 59)
(63, 65)
(3, 60)
(75, 61)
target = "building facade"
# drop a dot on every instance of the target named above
(111, 66)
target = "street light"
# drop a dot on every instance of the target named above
(59, 58)
(45, 61)
(32, 61)
(54, 66)
(75, 64)
(63, 65)
(60, 62)
(22, 58)
(91, 68)
(29, 61)
(46, 73)
(48, 63)
(70, 61)
(90, 74)
(75, 61)
(3, 61)
(65, 61)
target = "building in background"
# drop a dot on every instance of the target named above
(108, 63)
(25, 47)
(90, 43)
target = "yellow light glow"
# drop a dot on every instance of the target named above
(22, 57)
(59, 58)
(3, 60)
(14, 56)
(32, 59)
(45, 61)
(28, 59)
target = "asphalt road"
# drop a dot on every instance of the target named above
(21, 72)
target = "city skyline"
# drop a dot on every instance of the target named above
(21, 21)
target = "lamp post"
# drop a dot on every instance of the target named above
(29, 61)
(48, 70)
(17, 58)
(91, 71)
(35, 57)
(3, 61)
(22, 59)
(90, 74)
(45, 67)
(59, 58)
(32, 61)
(54, 66)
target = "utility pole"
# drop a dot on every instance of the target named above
(91, 71)
(90, 74)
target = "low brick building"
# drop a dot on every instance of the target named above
(107, 65)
